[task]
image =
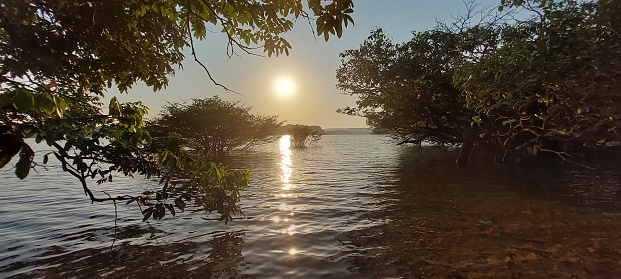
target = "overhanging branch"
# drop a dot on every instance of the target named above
(196, 58)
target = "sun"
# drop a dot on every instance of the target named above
(285, 86)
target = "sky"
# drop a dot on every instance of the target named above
(310, 67)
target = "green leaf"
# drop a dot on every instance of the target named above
(320, 25)
(114, 108)
(161, 211)
(8, 149)
(171, 208)
(348, 18)
(82, 166)
(22, 168)
(5, 98)
(44, 103)
(179, 203)
(23, 100)
(147, 213)
(60, 105)
(157, 213)
(339, 29)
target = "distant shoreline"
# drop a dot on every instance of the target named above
(347, 131)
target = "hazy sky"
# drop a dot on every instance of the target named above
(311, 65)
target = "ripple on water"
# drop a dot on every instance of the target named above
(351, 207)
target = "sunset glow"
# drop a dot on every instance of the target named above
(285, 86)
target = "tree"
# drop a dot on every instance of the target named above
(302, 135)
(214, 126)
(520, 89)
(550, 86)
(408, 88)
(59, 57)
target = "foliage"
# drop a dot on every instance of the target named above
(552, 87)
(57, 55)
(215, 126)
(58, 58)
(406, 88)
(517, 88)
(207, 184)
(302, 135)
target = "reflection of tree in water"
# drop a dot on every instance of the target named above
(451, 222)
(227, 249)
(227, 246)
(219, 257)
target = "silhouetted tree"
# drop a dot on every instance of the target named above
(214, 126)
(302, 135)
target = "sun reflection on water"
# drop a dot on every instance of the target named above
(291, 230)
(283, 207)
(286, 165)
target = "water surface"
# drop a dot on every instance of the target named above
(350, 207)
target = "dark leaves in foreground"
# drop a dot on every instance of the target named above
(211, 186)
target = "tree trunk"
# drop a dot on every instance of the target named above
(466, 147)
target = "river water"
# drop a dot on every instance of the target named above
(350, 207)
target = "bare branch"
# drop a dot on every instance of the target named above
(196, 58)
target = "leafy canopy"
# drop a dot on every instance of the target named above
(407, 88)
(552, 86)
(545, 85)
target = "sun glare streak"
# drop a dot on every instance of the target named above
(286, 166)
(285, 162)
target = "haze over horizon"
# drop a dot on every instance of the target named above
(311, 98)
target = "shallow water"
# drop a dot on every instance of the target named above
(350, 207)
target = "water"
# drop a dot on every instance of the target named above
(350, 207)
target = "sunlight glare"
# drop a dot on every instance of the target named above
(283, 207)
(290, 230)
(284, 86)
(285, 163)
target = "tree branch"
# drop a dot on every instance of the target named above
(191, 39)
